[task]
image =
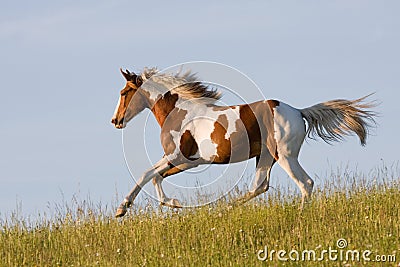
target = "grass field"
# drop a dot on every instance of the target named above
(360, 221)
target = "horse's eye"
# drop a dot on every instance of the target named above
(125, 91)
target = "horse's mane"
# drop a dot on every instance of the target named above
(186, 85)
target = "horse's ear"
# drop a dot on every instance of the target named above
(139, 80)
(125, 74)
(129, 76)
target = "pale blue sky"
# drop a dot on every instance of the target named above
(59, 81)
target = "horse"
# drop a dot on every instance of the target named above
(195, 130)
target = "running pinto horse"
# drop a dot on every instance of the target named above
(195, 130)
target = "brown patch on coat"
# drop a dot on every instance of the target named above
(177, 169)
(257, 119)
(172, 123)
(272, 104)
(163, 107)
(250, 122)
(188, 146)
(170, 118)
(218, 138)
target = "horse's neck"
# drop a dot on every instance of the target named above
(162, 108)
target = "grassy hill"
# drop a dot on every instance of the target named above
(357, 225)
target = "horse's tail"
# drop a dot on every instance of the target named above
(332, 120)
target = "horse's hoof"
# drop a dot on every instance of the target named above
(243, 199)
(172, 203)
(120, 212)
(122, 209)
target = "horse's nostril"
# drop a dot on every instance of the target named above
(118, 123)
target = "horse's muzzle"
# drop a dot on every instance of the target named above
(119, 124)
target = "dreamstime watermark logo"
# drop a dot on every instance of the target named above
(340, 252)
(143, 147)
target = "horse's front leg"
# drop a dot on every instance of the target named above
(160, 167)
(164, 200)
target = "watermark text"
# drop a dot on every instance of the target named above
(340, 252)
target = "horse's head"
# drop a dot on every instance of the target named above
(131, 100)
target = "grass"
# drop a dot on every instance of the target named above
(366, 215)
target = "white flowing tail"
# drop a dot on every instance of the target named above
(332, 120)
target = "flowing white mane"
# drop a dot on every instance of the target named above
(186, 85)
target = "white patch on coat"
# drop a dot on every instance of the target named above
(232, 115)
(156, 90)
(290, 130)
(200, 123)
(176, 138)
(195, 156)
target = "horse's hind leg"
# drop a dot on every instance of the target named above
(264, 165)
(293, 168)
(261, 183)
(290, 131)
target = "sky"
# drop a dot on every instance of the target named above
(60, 82)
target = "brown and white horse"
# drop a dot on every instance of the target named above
(195, 130)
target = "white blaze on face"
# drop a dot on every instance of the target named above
(116, 108)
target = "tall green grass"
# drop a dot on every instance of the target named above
(366, 214)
